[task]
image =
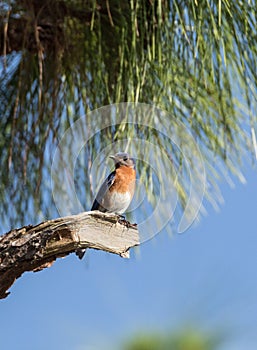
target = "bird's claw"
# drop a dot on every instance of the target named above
(125, 222)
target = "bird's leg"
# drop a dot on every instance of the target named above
(123, 217)
(122, 220)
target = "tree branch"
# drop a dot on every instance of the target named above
(33, 248)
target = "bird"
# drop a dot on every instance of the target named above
(117, 191)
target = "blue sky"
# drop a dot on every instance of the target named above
(204, 278)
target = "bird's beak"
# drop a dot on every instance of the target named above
(112, 157)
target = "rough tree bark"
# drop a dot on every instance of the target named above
(33, 248)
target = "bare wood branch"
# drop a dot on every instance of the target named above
(33, 248)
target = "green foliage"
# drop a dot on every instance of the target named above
(61, 59)
(186, 340)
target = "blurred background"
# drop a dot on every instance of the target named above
(60, 60)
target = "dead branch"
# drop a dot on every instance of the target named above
(33, 248)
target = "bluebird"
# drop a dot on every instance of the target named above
(116, 192)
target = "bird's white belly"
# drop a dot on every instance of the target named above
(119, 202)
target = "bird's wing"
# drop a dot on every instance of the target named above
(103, 189)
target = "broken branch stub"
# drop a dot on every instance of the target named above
(33, 248)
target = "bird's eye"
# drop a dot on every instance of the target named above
(125, 159)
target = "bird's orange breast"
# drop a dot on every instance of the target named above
(125, 179)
